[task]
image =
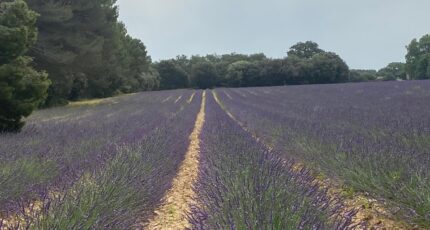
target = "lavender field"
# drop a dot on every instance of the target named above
(288, 157)
(95, 166)
(372, 138)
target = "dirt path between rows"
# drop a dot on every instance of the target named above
(370, 213)
(171, 214)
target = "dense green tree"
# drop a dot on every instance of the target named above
(150, 80)
(86, 51)
(305, 50)
(137, 66)
(327, 67)
(172, 76)
(251, 74)
(131, 61)
(221, 63)
(66, 48)
(296, 70)
(308, 64)
(243, 74)
(359, 75)
(393, 71)
(418, 58)
(22, 88)
(272, 72)
(185, 63)
(228, 59)
(18, 32)
(203, 75)
(234, 74)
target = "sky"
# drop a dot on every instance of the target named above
(367, 34)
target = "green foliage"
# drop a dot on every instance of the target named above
(393, 71)
(242, 73)
(203, 75)
(328, 67)
(149, 80)
(137, 66)
(29, 171)
(86, 51)
(223, 62)
(306, 64)
(172, 76)
(274, 72)
(220, 64)
(22, 89)
(16, 30)
(418, 58)
(102, 193)
(359, 75)
(305, 50)
(309, 64)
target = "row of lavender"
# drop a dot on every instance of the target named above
(375, 137)
(98, 165)
(242, 185)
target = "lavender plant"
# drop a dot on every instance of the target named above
(375, 137)
(124, 193)
(60, 146)
(242, 185)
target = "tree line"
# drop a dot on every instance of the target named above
(305, 63)
(56, 51)
(417, 66)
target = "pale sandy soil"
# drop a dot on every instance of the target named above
(178, 99)
(191, 98)
(171, 214)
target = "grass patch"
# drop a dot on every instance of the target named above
(91, 102)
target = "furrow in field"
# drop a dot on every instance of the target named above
(171, 214)
(191, 98)
(369, 213)
(31, 210)
(228, 95)
(167, 99)
(178, 99)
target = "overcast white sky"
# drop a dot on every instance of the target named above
(365, 33)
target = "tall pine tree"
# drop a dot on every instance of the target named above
(22, 88)
(86, 51)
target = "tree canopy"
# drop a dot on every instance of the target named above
(362, 75)
(172, 75)
(393, 71)
(305, 64)
(203, 75)
(418, 58)
(22, 89)
(305, 50)
(86, 50)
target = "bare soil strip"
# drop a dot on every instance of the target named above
(167, 99)
(177, 202)
(252, 92)
(228, 95)
(191, 98)
(178, 99)
(370, 213)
